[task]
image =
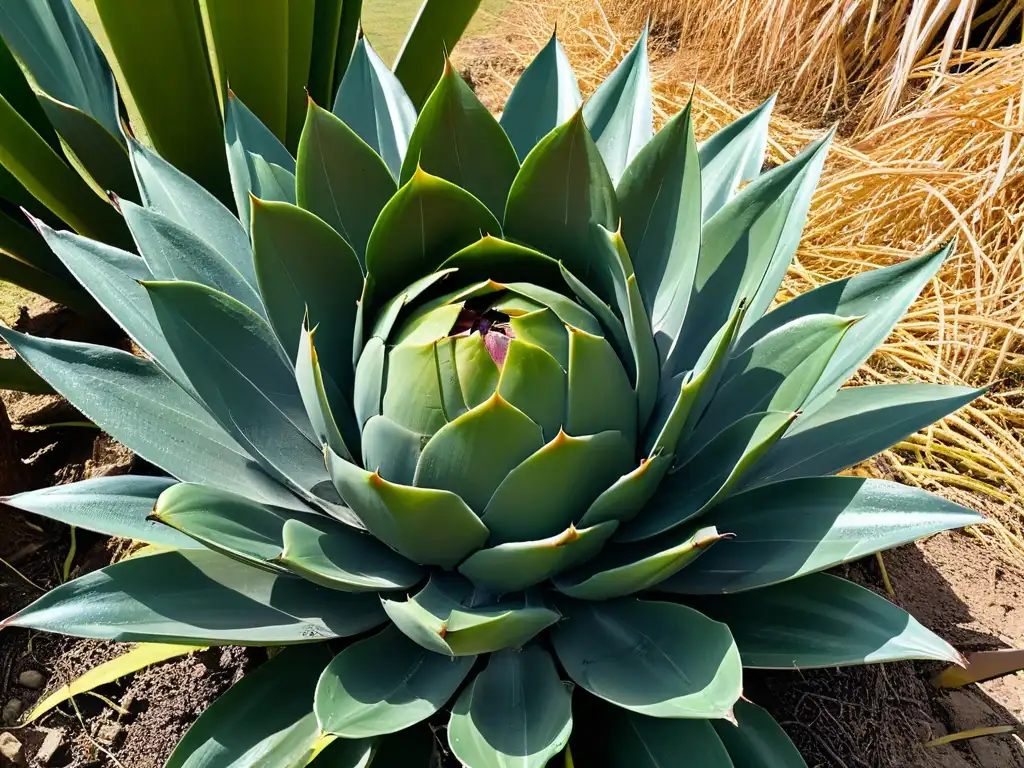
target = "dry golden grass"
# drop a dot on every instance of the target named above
(948, 163)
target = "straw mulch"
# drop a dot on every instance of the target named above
(949, 163)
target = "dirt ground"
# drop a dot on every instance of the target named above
(871, 717)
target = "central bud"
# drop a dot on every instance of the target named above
(493, 327)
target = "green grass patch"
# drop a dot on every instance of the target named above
(387, 21)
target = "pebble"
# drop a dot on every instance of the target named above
(11, 749)
(52, 743)
(11, 711)
(31, 678)
(110, 734)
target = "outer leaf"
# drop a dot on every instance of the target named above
(330, 157)
(653, 658)
(197, 597)
(372, 102)
(384, 684)
(630, 493)
(517, 565)
(437, 28)
(150, 415)
(448, 616)
(628, 570)
(338, 557)
(239, 729)
(747, 244)
(757, 741)
(35, 164)
(163, 72)
(710, 476)
(733, 156)
(515, 713)
(544, 97)
(619, 112)
(421, 226)
(245, 137)
(15, 87)
(237, 367)
(618, 738)
(348, 31)
(170, 192)
(562, 188)
(172, 252)
(427, 526)
(132, 661)
(305, 267)
(326, 28)
(458, 139)
(816, 523)
(854, 425)
(660, 199)
(114, 506)
(881, 296)
(822, 621)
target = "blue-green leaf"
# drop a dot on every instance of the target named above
(384, 684)
(756, 740)
(198, 597)
(372, 102)
(822, 621)
(619, 112)
(544, 97)
(788, 529)
(517, 713)
(113, 506)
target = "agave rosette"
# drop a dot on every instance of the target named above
(501, 413)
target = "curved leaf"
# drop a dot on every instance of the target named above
(337, 557)
(653, 658)
(535, 501)
(515, 713)
(427, 526)
(323, 400)
(629, 494)
(757, 740)
(822, 621)
(448, 616)
(544, 97)
(372, 102)
(384, 684)
(197, 597)
(234, 361)
(619, 112)
(562, 188)
(855, 425)
(330, 156)
(813, 523)
(733, 156)
(427, 221)
(149, 414)
(114, 506)
(520, 564)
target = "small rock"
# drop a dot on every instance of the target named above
(11, 749)
(11, 711)
(51, 745)
(31, 678)
(110, 734)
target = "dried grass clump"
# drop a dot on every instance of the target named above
(829, 56)
(949, 163)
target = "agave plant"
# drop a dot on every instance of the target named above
(493, 420)
(61, 143)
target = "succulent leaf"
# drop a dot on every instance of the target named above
(851, 625)
(457, 139)
(652, 658)
(625, 498)
(817, 522)
(544, 97)
(756, 739)
(325, 405)
(372, 102)
(517, 712)
(392, 451)
(384, 684)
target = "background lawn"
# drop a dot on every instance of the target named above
(386, 22)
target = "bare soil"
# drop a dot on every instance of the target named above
(870, 717)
